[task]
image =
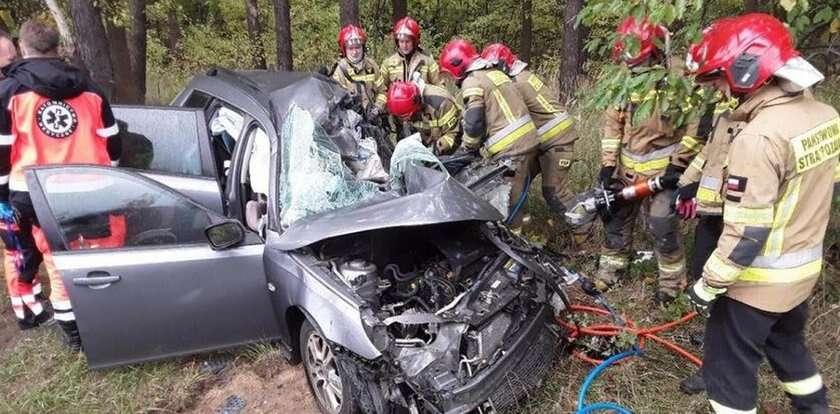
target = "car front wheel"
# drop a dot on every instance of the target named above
(330, 387)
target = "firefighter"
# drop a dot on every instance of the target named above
(429, 110)
(496, 120)
(355, 72)
(635, 153)
(409, 63)
(555, 128)
(51, 114)
(776, 189)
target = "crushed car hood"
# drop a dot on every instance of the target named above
(432, 197)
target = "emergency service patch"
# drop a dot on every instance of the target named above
(735, 187)
(817, 145)
(57, 119)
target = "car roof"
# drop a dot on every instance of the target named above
(260, 84)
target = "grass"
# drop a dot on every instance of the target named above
(37, 375)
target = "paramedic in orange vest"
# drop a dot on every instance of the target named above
(50, 113)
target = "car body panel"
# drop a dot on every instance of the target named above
(166, 300)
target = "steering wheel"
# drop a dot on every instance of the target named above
(153, 237)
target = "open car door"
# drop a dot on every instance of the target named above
(171, 145)
(142, 278)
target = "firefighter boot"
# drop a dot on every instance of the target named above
(71, 335)
(693, 384)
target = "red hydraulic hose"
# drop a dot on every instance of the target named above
(611, 330)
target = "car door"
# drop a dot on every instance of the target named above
(142, 278)
(171, 145)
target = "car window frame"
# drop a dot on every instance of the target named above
(60, 245)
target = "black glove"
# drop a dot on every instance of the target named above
(605, 177)
(671, 177)
(686, 192)
(702, 296)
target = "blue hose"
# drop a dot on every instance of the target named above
(521, 201)
(583, 408)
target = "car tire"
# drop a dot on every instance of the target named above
(336, 386)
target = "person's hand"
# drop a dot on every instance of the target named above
(671, 177)
(605, 176)
(7, 213)
(686, 201)
(702, 296)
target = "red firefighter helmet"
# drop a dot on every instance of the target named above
(646, 33)
(403, 99)
(456, 57)
(746, 50)
(407, 26)
(499, 52)
(350, 35)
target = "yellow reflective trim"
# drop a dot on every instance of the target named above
(363, 78)
(646, 166)
(545, 104)
(381, 99)
(746, 215)
(448, 139)
(503, 105)
(672, 267)
(698, 163)
(722, 409)
(511, 138)
(806, 386)
(783, 213)
(708, 196)
(722, 270)
(610, 144)
(787, 275)
(471, 142)
(558, 129)
(497, 77)
(448, 117)
(535, 82)
(691, 143)
(472, 92)
(817, 145)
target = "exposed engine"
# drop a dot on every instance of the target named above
(448, 298)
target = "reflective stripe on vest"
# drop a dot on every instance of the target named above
(787, 268)
(555, 127)
(651, 161)
(509, 134)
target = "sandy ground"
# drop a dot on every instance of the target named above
(269, 385)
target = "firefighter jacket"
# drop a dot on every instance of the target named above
(777, 193)
(363, 83)
(554, 124)
(418, 66)
(438, 122)
(50, 113)
(496, 119)
(708, 167)
(645, 150)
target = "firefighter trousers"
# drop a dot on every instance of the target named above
(519, 184)
(553, 165)
(29, 248)
(738, 337)
(706, 235)
(663, 226)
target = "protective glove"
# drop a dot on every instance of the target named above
(685, 201)
(702, 296)
(7, 213)
(605, 177)
(671, 177)
(373, 113)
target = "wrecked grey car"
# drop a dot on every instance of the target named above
(398, 295)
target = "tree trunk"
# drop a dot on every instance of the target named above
(92, 43)
(526, 33)
(283, 29)
(349, 12)
(67, 42)
(252, 24)
(173, 32)
(399, 9)
(118, 46)
(573, 53)
(137, 49)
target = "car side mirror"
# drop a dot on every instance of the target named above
(225, 234)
